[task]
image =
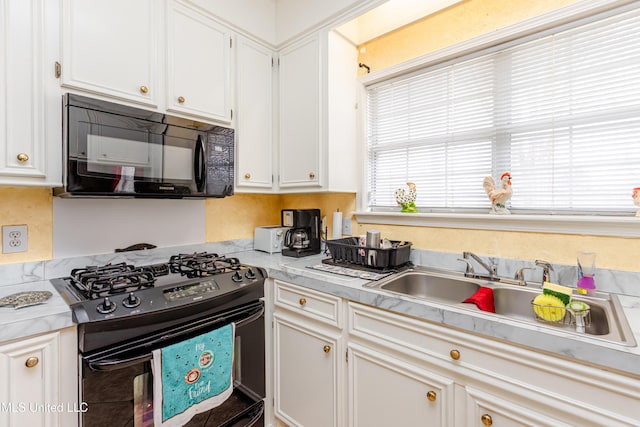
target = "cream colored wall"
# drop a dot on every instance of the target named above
(33, 207)
(236, 217)
(455, 24)
(229, 218)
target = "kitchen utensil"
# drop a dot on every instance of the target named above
(373, 239)
(25, 299)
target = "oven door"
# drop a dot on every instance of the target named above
(117, 386)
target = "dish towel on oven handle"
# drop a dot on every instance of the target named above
(192, 376)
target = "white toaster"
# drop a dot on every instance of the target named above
(269, 238)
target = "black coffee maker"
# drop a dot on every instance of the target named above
(303, 238)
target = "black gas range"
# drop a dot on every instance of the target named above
(122, 296)
(125, 312)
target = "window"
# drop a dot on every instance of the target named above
(560, 111)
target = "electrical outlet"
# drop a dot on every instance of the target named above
(346, 226)
(14, 238)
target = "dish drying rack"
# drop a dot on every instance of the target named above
(348, 250)
(580, 319)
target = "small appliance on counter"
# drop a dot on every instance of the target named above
(269, 238)
(303, 238)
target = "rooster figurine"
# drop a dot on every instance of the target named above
(498, 196)
(406, 198)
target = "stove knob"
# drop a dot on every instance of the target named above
(106, 306)
(131, 301)
(236, 277)
(250, 274)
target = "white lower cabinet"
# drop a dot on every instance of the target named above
(306, 374)
(404, 371)
(387, 391)
(40, 381)
(486, 409)
(308, 357)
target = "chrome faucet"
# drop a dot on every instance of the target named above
(547, 268)
(491, 268)
(519, 277)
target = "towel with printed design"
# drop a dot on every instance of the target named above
(192, 376)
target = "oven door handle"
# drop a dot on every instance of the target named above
(112, 364)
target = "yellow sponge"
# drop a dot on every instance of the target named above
(549, 308)
(562, 292)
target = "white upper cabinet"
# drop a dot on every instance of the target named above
(30, 102)
(254, 115)
(300, 108)
(175, 59)
(318, 101)
(198, 64)
(111, 48)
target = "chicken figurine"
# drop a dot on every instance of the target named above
(498, 196)
(406, 198)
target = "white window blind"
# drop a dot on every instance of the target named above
(560, 112)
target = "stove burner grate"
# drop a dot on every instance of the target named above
(100, 281)
(202, 264)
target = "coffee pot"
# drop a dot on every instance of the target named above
(296, 239)
(303, 238)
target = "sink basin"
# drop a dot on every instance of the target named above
(418, 284)
(606, 318)
(606, 322)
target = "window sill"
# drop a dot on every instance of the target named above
(619, 226)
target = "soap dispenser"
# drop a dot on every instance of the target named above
(586, 271)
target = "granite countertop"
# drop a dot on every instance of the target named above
(55, 314)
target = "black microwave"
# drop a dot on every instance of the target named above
(113, 150)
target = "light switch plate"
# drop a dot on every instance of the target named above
(14, 238)
(346, 226)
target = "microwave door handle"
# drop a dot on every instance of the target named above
(199, 167)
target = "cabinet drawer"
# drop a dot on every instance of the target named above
(307, 302)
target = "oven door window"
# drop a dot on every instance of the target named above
(113, 153)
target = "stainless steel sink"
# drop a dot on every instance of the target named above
(606, 323)
(429, 286)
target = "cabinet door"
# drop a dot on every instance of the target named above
(36, 389)
(386, 391)
(30, 106)
(254, 130)
(199, 65)
(300, 105)
(110, 48)
(487, 409)
(306, 374)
